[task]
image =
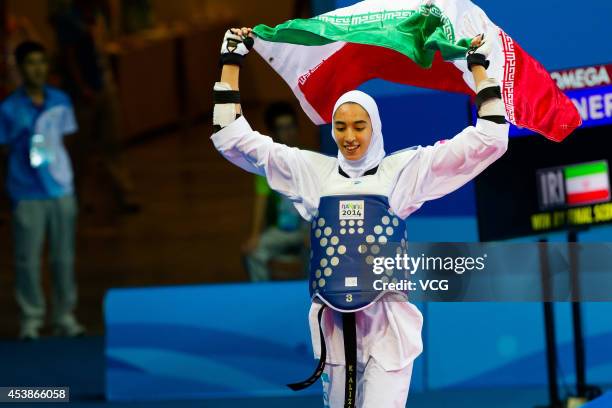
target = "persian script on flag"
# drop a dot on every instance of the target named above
(573, 185)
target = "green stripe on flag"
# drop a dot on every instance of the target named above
(416, 34)
(300, 31)
(586, 169)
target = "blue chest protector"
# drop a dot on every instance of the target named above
(347, 234)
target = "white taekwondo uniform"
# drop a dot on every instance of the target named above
(388, 332)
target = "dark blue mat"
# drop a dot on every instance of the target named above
(78, 363)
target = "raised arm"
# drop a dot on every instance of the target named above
(290, 171)
(434, 171)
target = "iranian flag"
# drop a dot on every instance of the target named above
(587, 183)
(414, 42)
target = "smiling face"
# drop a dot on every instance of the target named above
(352, 130)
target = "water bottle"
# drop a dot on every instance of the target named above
(39, 151)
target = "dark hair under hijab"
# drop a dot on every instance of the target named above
(276, 110)
(26, 48)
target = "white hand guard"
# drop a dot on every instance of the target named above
(234, 48)
(479, 55)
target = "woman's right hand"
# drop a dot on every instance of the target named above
(237, 43)
(244, 31)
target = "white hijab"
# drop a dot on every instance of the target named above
(376, 150)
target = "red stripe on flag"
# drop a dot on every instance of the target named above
(532, 98)
(355, 64)
(588, 197)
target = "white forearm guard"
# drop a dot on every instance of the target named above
(492, 106)
(223, 113)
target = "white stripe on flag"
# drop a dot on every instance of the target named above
(590, 182)
(292, 61)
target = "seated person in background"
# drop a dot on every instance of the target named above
(287, 233)
(33, 122)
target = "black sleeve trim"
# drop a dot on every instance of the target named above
(217, 128)
(495, 118)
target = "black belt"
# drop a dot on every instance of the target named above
(320, 366)
(350, 354)
(349, 330)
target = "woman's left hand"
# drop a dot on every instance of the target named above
(477, 41)
(481, 44)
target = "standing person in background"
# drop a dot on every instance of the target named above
(287, 234)
(80, 30)
(18, 30)
(33, 122)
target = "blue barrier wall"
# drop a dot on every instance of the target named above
(182, 342)
(246, 340)
(206, 341)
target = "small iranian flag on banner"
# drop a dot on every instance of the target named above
(587, 183)
(415, 42)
